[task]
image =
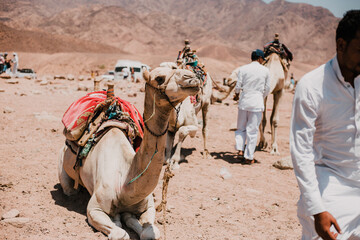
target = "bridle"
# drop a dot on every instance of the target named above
(161, 89)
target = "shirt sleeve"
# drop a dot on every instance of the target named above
(304, 115)
(238, 85)
(267, 84)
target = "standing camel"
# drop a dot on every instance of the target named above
(121, 181)
(186, 122)
(277, 83)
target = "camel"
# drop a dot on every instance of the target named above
(185, 122)
(277, 83)
(120, 180)
(221, 93)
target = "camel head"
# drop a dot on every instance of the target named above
(176, 84)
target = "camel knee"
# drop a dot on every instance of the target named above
(150, 231)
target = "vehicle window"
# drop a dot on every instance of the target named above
(137, 69)
(118, 69)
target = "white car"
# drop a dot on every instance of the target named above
(109, 75)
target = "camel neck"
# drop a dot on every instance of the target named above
(148, 161)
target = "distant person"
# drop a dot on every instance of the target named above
(15, 62)
(253, 80)
(325, 140)
(292, 82)
(2, 63)
(184, 52)
(126, 72)
(276, 47)
(7, 64)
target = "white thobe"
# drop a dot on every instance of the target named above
(253, 80)
(325, 149)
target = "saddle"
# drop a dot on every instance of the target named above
(89, 118)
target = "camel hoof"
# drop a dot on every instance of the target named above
(206, 154)
(275, 152)
(175, 166)
(262, 145)
(150, 232)
(70, 191)
(118, 234)
(117, 220)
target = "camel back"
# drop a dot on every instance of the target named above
(277, 74)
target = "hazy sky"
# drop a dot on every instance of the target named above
(337, 7)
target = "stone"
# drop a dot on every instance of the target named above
(8, 110)
(284, 163)
(12, 81)
(10, 214)
(224, 173)
(44, 82)
(18, 222)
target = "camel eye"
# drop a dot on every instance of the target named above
(160, 80)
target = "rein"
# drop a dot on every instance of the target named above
(162, 92)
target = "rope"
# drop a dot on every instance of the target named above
(162, 206)
(135, 178)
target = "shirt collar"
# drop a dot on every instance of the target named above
(335, 66)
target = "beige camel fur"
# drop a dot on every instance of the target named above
(277, 83)
(187, 123)
(121, 181)
(221, 93)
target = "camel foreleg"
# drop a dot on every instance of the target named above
(204, 111)
(144, 227)
(66, 182)
(102, 222)
(183, 131)
(169, 146)
(262, 142)
(274, 121)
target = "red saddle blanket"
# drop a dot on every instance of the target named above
(76, 116)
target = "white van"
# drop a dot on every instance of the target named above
(124, 68)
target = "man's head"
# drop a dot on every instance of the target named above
(187, 41)
(276, 37)
(257, 55)
(348, 44)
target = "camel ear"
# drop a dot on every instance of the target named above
(146, 75)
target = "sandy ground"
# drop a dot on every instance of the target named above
(257, 202)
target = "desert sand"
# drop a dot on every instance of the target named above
(256, 202)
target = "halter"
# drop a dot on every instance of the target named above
(161, 89)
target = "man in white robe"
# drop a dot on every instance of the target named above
(253, 80)
(325, 140)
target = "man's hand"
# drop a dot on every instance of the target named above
(236, 97)
(323, 222)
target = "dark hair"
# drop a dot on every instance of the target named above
(254, 57)
(348, 25)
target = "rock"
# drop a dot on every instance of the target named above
(142, 89)
(2, 90)
(224, 173)
(284, 163)
(18, 222)
(59, 77)
(8, 110)
(44, 82)
(81, 78)
(12, 81)
(46, 116)
(82, 87)
(5, 76)
(10, 214)
(70, 77)
(36, 92)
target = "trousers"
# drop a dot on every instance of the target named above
(247, 130)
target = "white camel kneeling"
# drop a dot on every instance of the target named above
(121, 181)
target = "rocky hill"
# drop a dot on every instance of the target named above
(221, 29)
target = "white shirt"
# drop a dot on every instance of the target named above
(325, 133)
(254, 81)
